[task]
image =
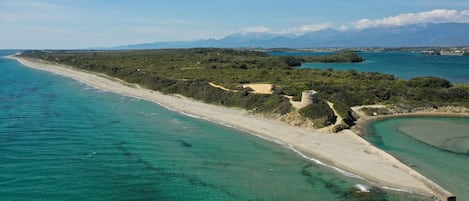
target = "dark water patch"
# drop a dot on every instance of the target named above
(122, 149)
(194, 181)
(184, 143)
(32, 89)
(114, 122)
(309, 177)
(315, 179)
(374, 194)
(167, 175)
(351, 194)
(6, 137)
(217, 164)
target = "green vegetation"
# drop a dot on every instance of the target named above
(189, 71)
(201, 90)
(321, 114)
(431, 82)
(371, 111)
(346, 113)
(342, 57)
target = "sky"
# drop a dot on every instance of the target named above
(77, 24)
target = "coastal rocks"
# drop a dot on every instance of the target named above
(339, 127)
(402, 109)
(358, 193)
(452, 109)
(399, 109)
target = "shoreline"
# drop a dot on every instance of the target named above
(344, 151)
(364, 121)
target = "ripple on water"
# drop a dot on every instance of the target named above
(446, 135)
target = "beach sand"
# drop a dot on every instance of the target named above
(346, 152)
(260, 88)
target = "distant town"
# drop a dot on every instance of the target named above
(451, 51)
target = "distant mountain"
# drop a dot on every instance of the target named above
(417, 35)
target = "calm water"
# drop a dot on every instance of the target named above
(62, 140)
(437, 147)
(404, 65)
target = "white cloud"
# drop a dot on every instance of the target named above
(465, 12)
(434, 16)
(308, 28)
(256, 29)
(344, 28)
(294, 30)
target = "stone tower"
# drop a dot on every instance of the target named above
(308, 97)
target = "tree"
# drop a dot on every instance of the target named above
(430, 82)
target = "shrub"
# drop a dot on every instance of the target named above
(321, 114)
(291, 61)
(346, 113)
(430, 82)
(284, 107)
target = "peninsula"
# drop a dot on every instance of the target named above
(186, 80)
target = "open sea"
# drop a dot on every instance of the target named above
(63, 140)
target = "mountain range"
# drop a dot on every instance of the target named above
(416, 35)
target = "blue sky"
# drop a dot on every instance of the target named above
(103, 23)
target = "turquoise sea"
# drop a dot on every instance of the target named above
(404, 65)
(63, 140)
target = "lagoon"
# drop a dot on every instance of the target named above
(403, 65)
(437, 147)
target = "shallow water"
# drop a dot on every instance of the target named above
(430, 145)
(63, 140)
(451, 135)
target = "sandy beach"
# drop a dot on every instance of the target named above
(346, 151)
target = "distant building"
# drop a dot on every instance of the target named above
(452, 52)
(309, 97)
